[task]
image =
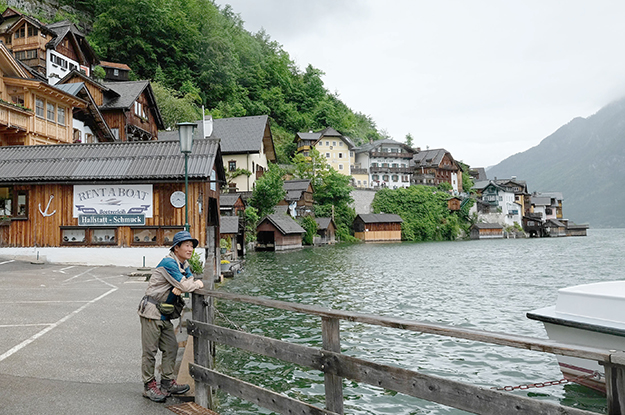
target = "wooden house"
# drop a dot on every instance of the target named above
(115, 72)
(433, 167)
(533, 225)
(573, 229)
(232, 229)
(298, 198)
(131, 112)
(454, 203)
(32, 111)
(326, 231)
(108, 194)
(231, 204)
(278, 232)
(53, 50)
(554, 228)
(246, 144)
(486, 231)
(378, 227)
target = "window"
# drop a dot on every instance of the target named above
(340, 155)
(32, 31)
(334, 143)
(115, 132)
(168, 235)
(51, 112)
(141, 236)
(39, 107)
(351, 154)
(73, 236)
(364, 182)
(327, 155)
(115, 72)
(340, 143)
(327, 144)
(26, 54)
(232, 165)
(375, 177)
(395, 178)
(385, 177)
(57, 60)
(395, 165)
(60, 113)
(13, 204)
(103, 236)
(340, 167)
(21, 32)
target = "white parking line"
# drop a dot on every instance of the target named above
(54, 325)
(81, 274)
(44, 301)
(7, 262)
(24, 325)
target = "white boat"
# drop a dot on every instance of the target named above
(589, 315)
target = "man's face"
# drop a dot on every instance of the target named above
(184, 251)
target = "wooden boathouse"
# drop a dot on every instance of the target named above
(123, 194)
(278, 232)
(326, 231)
(486, 231)
(378, 227)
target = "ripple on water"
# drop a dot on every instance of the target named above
(487, 285)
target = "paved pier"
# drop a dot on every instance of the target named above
(70, 341)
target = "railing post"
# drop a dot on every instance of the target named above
(331, 336)
(201, 349)
(615, 383)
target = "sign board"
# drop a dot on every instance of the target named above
(113, 204)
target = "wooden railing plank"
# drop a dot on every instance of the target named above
(502, 339)
(432, 388)
(331, 338)
(255, 394)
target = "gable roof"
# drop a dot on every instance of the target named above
(229, 224)
(65, 29)
(326, 132)
(323, 223)
(432, 157)
(127, 161)
(239, 135)
(379, 218)
(229, 199)
(9, 65)
(284, 223)
(84, 78)
(295, 189)
(127, 93)
(370, 146)
(115, 65)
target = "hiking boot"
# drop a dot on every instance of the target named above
(169, 386)
(152, 392)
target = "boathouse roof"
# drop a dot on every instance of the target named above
(119, 161)
(323, 223)
(379, 218)
(228, 199)
(229, 225)
(487, 226)
(284, 223)
(295, 189)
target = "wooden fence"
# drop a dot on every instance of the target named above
(337, 366)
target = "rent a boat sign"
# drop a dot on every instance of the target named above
(112, 205)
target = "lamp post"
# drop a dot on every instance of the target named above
(185, 135)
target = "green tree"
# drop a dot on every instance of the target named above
(409, 140)
(310, 225)
(309, 167)
(174, 107)
(251, 222)
(268, 192)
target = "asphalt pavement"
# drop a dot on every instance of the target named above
(70, 341)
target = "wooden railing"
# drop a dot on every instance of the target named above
(336, 366)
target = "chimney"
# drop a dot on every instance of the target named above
(418, 149)
(513, 178)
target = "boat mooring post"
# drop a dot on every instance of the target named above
(615, 383)
(331, 339)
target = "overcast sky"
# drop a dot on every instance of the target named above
(482, 79)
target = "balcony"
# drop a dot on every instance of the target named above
(390, 155)
(400, 170)
(357, 170)
(14, 117)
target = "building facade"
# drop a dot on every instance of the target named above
(386, 164)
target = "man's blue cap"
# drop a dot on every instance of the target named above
(182, 236)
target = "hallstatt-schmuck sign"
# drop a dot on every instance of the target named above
(112, 205)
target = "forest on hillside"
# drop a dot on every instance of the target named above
(200, 54)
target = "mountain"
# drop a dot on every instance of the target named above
(585, 160)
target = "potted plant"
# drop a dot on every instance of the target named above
(224, 244)
(225, 265)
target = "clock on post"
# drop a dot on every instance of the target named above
(177, 199)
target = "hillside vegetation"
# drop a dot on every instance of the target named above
(585, 160)
(201, 52)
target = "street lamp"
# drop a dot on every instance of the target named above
(185, 136)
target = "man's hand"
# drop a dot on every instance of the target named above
(201, 283)
(176, 291)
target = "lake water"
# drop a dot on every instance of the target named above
(487, 285)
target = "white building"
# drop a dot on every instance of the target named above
(382, 163)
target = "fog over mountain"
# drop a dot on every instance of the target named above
(585, 160)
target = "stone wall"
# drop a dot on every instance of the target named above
(49, 10)
(363, 200)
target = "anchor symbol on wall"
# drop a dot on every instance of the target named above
(45, 212)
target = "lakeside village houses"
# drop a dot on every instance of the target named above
(86, 164)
